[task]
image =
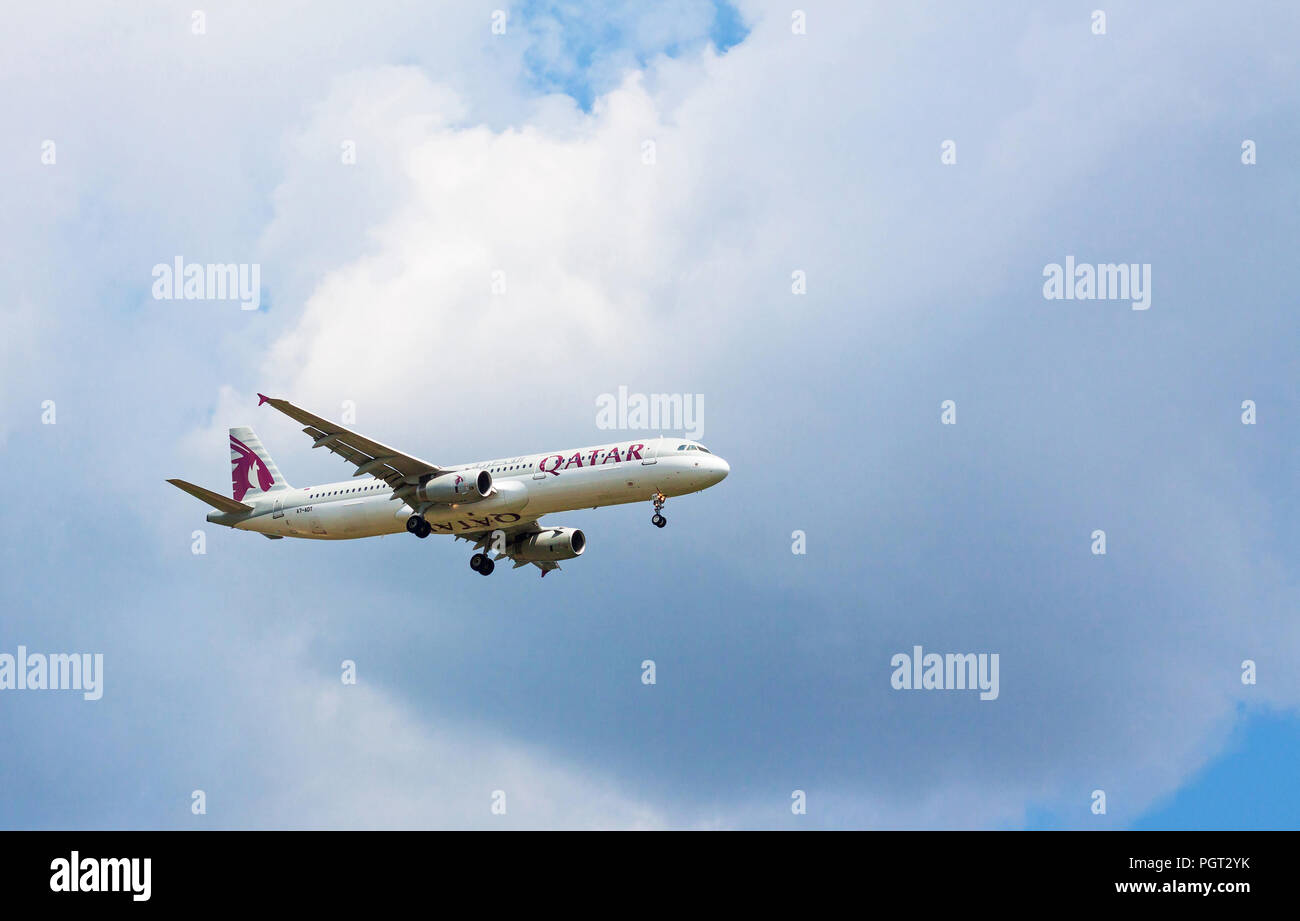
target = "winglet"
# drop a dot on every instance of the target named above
(262, 398)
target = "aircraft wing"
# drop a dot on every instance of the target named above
(483, 541)
(390, 465)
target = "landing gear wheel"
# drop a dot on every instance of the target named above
(478, 561)
(425, 529)
(413, 524)
(658, 520)
(487, 567)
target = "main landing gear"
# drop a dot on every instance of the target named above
(418, 526)
(658, 520)
(482, 564)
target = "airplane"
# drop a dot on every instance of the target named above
(495, 504)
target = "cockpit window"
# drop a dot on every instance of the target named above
(681, 447)
(704, 449)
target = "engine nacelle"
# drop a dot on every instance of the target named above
(550, 544)
(457, 488)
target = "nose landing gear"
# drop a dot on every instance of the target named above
(658, 520)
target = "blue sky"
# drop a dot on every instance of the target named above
(582, 45)
(525, 154)
(1248, 786)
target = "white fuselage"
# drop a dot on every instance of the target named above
(525, 488)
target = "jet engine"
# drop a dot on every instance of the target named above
(456, 488)
(550, 544)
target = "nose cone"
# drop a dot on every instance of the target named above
(720, 469)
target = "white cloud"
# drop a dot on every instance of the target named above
(764, 162)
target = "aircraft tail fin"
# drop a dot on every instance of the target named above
(252, 472)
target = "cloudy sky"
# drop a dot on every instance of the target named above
(778, 143)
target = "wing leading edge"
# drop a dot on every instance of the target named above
(369, 457)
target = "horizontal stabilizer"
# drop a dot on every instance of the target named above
(216, 500)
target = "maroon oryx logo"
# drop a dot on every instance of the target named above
(245, 462)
